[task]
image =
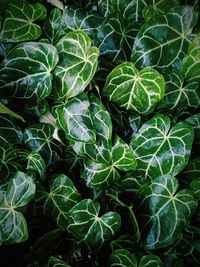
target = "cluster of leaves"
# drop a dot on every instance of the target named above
(100, 133)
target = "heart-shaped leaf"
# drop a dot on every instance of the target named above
(163, 42)
(164, 212)
(18, 24)
(134, 90)
(26, 71)
(159, 150)
(86, 225)
(191, 63)
(75, 119)
(19, 193)
(73, 75)
(62, 196)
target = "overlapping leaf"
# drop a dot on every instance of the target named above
(55, 262)
(164, 212)
(86, 225)
(194, 121)
(18, 24)
(160, 150)
(71, 76)
(39, 138)
(179, 95)
(191, 63)
(122, 258)
(163, 42)
(134, 90)
(26, 71)
(62, 196)
(75, 119)
(20, 191)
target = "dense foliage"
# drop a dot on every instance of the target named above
(99, 133)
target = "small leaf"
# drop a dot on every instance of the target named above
(6, 110)
(164, 212)
(150, 261)
(75, 119)
(73, 75)
(159, 150)
(134, 90)
(18, 23)
(55, 262)
(86, 225)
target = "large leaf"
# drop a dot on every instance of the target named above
(179, 95)
(18, 24)
(20, 191)
(39, 138)
(75, 119)
(163, 42)
(164, 212)
(116, 37)
(61, 197)
(52, 26)
(86, 225)
(71, 76)
(122, 258)
(160, 150)
(134, 90)
(26, 71)
(191, 63)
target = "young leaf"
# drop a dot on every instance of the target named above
(75, 119)
(164, 212)
(134, 90)
(73, 75)
(26, 71)
(19, 193)
(86, 225)
(163, 42)
(18, 24)
(160, 150)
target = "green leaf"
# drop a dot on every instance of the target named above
(18, 24)
(72, 76)
(116, 37)
(26, 71)
(86, 225)
(190, 66)
(158, 7)
(99, 175)
(163, 42)
(61, 197)
(179, 95)
(55, 262)
(192, 169)
(195, 187)
(77, 19)
(194, 121)
(123, 157)
(150, 261)
(20, 191)
(134, 90)
(101, 150)
(122, 258)
(39, 138)
(75, 119)
(10, 132)
(164, 212)
(160, 150)
(6, 110)
(52, 26)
